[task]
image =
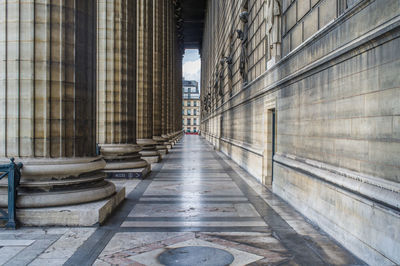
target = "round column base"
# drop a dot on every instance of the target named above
(149, 152)
(48, 182)
(122, 156)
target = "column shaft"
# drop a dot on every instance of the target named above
(157, 65)
(116, 84)
(158, 52)
(145, 80)
(169, 69)
(164, 96)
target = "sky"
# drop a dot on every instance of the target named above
(191, 65)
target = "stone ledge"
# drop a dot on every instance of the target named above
(88, 214)
(246, 146)
(379, 190)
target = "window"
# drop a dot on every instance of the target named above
(183, 121)
(188, 103)
(188, 122)
(194, 111)
(194, 121)
(188, 112)
(183, 112)
(195, 103)
(194, 129)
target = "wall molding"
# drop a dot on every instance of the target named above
(246, 146)
(378, 190)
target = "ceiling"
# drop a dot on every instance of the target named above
(193, 13)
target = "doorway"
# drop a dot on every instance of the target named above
(270, 128)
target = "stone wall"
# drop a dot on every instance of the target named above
(336, 94)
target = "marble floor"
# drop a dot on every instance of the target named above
(194, 197)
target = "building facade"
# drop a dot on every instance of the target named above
(304, 94)
(191, 107)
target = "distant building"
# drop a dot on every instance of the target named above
(191, 106)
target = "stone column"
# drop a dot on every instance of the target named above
(165, 72)
(175, 87)
(172, 75)
(145, 81)
(169, 69)
(179, 92)
(178, 51)
(158, 56)
(116, 88)
(48, 101)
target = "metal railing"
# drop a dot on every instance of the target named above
(12, 170)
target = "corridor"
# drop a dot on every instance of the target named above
(197, 197)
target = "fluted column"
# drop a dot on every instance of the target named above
(48, 101)
(116, 85)
(170, 70)
(145, 80)
(173, 100)
(165, 71)
(177, 66)
(158, 60)
(179, 93)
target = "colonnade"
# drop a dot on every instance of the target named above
(86, 87)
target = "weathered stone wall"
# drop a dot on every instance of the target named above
(336, 94)
(302, 18)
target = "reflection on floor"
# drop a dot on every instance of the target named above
(194, 197)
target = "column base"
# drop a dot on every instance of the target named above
(149, 152)
(170, 142)
(168, 145)
(160, 146)
(163, 151)
(176, 136)
(124, 161)
(52, 182)
(87, 214)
